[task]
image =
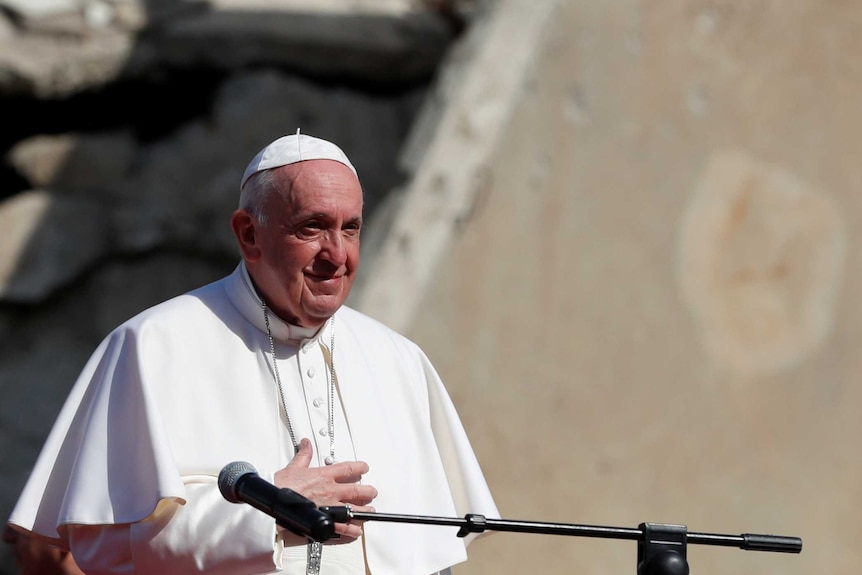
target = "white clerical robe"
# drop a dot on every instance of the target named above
(177, 392)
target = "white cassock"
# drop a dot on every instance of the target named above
(128, 475)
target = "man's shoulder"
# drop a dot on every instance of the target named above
(200, 302)
(382, 348)
(355, 319)
(365, 326)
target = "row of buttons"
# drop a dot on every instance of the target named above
(318, 401)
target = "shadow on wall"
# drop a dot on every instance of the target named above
(118, 184)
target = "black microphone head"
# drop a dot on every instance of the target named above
(229, 477)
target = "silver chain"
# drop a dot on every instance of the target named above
(315, 548)
(330, 399)
(278, 378)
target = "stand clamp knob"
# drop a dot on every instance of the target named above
(475, 524)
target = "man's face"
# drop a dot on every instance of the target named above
(309, 246)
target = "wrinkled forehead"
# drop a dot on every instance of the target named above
(318, 183)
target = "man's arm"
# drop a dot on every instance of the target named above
(207, 534)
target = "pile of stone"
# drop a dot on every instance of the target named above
(126, 125)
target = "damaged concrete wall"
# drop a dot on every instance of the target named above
(651, 313)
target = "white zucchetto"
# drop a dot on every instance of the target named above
(294, 148)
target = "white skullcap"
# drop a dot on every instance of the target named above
(291, 149)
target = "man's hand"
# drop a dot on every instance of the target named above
(36, 557)
(334, 485)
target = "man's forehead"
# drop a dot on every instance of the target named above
(317, 177)
(319, 186)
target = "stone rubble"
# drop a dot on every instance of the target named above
(102, 217)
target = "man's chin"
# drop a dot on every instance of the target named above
(323, 305)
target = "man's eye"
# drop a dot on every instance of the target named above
(310, 227)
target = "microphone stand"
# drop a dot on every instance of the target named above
(661, 546)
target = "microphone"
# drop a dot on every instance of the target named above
(239, 482)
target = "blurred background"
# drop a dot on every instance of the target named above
(625, 233)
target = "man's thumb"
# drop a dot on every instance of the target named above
(304, 455)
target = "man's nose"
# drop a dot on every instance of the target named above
(333, 248)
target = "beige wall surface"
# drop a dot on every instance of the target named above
(653, 315)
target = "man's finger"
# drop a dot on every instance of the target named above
(358, 494)
(304, 455)
(348, 471)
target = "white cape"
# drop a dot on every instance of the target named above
(176, 393)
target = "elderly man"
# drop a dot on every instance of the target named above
(267, 366)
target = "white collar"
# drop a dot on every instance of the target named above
(241, 292)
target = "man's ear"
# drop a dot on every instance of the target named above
(245, 228)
